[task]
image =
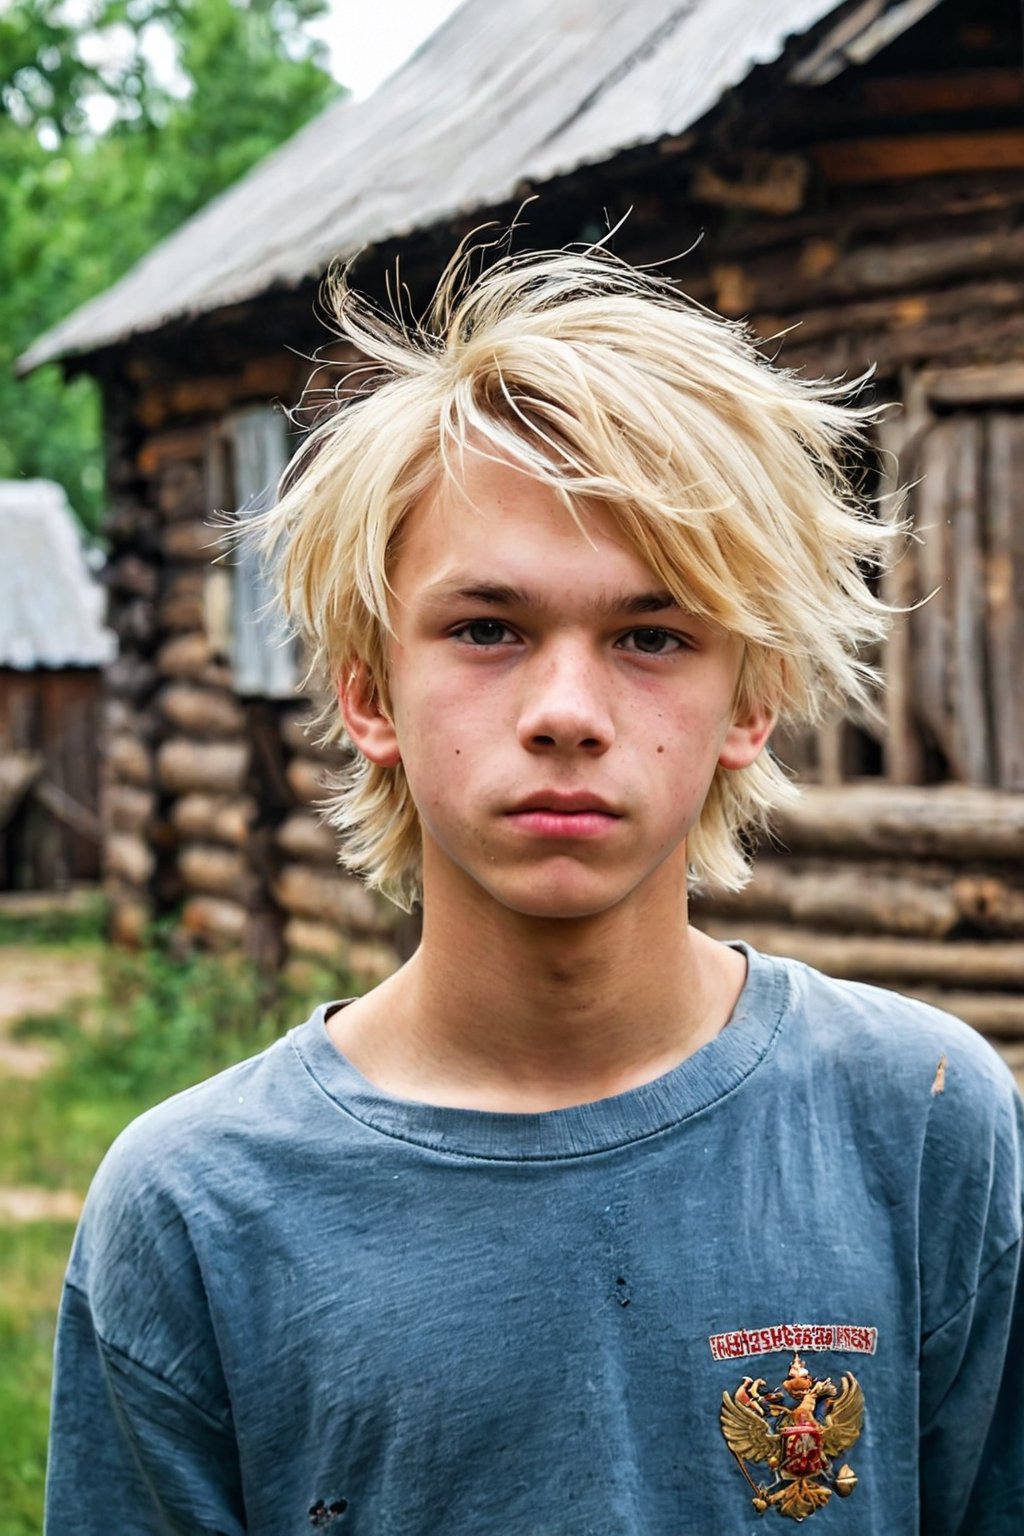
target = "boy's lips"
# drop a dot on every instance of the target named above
(564, 803)
(559, 814)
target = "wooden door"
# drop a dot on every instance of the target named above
(955, 665)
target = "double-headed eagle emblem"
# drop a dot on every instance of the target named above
(799, 1431)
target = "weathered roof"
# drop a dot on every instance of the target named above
(51, 606)
(500, 95)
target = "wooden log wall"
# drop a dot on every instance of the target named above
(917, 889)
(209, 798)
(330, 914)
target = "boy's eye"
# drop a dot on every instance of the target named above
(651, 642)
(483, 632)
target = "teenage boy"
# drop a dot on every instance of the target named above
(581, 1222)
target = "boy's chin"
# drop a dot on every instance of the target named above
(557, 900)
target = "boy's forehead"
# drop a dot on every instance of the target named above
(501, 516)
(497, 525)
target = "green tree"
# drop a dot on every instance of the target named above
(101, 155)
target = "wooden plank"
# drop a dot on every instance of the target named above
(308, 839)
(930, 624)
(901, 747)
(960, 90)
(201, 711)
(911, 897)
(917, 272)
(18, 772)
(995, 966)
(999, 1014)
(1004, 588)
(164, 447)
(892, 158)
(773, 184)
(947, 199)
(988, 384)
(216, 871)
(949, 821)
(217, 768)
(957, 340)
(969, 738)
(335, 897)
(990, 903)
(845, 898)
(214, 818)
(214, 920)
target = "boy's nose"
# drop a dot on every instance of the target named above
(565, 708)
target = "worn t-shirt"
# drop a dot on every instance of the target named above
(781, 1280)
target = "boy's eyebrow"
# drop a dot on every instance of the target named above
(498, 594)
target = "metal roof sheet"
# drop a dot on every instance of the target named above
(51, 606)
(498, 96)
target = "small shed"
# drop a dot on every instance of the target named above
(53, 646)
(850, 177)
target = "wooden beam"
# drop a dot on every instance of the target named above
(165, 447)
(899, 158)
(1004, 590)
(961, 90)
(948, 821)
(989, 384)
(902, 742)
(969, 733)
(995, 966)
(772, 184)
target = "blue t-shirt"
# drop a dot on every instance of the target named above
(781, 1280)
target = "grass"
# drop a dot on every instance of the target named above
(159, 1025)
(32, 1260)
(77, 921)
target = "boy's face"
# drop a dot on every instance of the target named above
(559, 718)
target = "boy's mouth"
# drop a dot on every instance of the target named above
(557, 813)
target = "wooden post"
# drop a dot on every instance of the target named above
(968, 723)
(1004, 584)
(902, 746)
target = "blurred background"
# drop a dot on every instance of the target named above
(176, 179)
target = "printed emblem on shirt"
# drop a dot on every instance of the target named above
(793, 1436)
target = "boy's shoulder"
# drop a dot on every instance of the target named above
(891, 1062)
(859, 1026)
(922, 1099)
(210, 1143)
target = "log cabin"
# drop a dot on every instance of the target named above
(53, 648)
(850, 179)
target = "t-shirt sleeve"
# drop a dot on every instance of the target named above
(141, 1436)
(128, 1450)
(972, 1348)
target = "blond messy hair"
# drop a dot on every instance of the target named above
(724, 473)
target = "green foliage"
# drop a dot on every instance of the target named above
(32, 1262)
(159, 1026)
(80, 920)
(78, 207)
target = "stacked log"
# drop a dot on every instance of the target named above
(332, 919)
(202, 770)
(129, 799)
(917, 889)
(211, 800)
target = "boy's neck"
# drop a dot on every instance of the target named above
(508, 1013)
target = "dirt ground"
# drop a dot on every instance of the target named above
(35, 981)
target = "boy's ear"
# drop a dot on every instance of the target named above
(746, 737)
(370, 728)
